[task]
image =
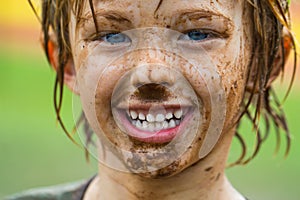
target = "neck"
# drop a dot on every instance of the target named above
(203, 180)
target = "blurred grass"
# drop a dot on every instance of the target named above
(271, 176)
(34, 152)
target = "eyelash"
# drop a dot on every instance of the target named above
(201, 34)
(187, 36)
(117, 36)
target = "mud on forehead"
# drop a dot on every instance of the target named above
(134, 8)
(125, 15)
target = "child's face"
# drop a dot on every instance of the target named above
(214, 38)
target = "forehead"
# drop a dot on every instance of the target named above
(152, 8)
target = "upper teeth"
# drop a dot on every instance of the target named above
(150, 118)
(169, 115)
(141, 116)
(133, 114)
(160, 118)
(178, 114)
(158, 121)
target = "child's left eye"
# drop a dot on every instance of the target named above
(115, 38)
(195, 35)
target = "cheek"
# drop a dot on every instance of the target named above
(95, 80)
(233, 71)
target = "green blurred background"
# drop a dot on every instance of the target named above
(34, 151)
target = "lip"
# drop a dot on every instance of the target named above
(155, 137)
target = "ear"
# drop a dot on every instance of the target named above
(69, 69)
(281, 56)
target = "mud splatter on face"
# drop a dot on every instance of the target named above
(207, 47)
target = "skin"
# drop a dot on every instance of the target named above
(229, 47)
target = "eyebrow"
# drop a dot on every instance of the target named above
(196, 13)
(191, 13)
(107, 14)
(199, 13)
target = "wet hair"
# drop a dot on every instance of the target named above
(269, 17)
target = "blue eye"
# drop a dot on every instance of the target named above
(116, 38)
(195, 35)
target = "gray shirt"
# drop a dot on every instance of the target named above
(70, 191)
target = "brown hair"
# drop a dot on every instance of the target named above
(269, 18)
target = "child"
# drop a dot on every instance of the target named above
(163, 86)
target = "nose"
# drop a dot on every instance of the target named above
(153, 74)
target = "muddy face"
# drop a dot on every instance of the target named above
(151, 82)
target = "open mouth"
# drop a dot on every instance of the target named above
(154, 124)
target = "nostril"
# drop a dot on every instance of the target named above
(165, 83)
(153, 92)
(138, 85)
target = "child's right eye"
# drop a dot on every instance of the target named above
(115, 38)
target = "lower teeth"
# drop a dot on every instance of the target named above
(155, 126)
